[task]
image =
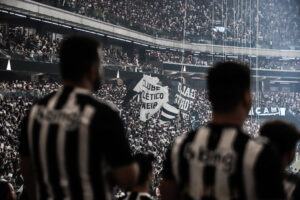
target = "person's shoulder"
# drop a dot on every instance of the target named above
(99, 104)
(258, 141)
(106, 108)
(186, 136)
(261, 140)
(108, 105)
(263, 143)
(264, 149)
(45, 99)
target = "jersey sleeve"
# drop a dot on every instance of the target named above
(24, 146)
(269, 175)
(167, 172)
(116, 146)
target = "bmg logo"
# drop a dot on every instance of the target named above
(224, 158)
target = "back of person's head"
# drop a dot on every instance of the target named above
(77, 55)
(145, 164)
(284, 135)
(6, 190)
(227, 83)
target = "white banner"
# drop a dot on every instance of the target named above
(185, 97)
(267, 111)
(153, 96)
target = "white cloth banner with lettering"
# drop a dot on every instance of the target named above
(153, 96)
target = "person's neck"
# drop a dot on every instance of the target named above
(233, 118)
(141, 188)
(81, 84)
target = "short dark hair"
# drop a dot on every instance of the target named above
(284, 135)
(227, 82)
(77, 54)
(145, 164)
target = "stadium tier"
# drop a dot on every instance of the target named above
(155, 56)
(232, 22)
(38, 45)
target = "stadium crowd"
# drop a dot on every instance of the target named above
(207, 59)
(150, 136)
(278, 21)
(28, 44)
(43, 48)
(16, 99)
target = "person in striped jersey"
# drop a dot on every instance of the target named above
(219, 160)
(70, 141)
(141, 190)
(285, 136)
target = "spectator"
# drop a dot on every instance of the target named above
(141, 190)
(79, 137)
(228, 22)
(284, 136)
(216, 159)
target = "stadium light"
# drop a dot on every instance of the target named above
(4, 11)
(19, 15)
(35, 19)
(8, 67)
(141, 44)
(117, 38)
(87, 31)
(57, 24)
(13, 13)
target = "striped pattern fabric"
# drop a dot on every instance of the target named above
(168, 113)
(73, 139)
(222, 162)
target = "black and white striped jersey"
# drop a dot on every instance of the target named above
(136, 196)
(221, 162)
(73, 140)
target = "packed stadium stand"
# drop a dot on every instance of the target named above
(28, 44)
(30, 41)
(204, 20)
(152, 137)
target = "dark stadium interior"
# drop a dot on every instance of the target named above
(30, 44)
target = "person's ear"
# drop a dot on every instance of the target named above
(292, 156)
(92, 73)
(288, 158)
(247, 100)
